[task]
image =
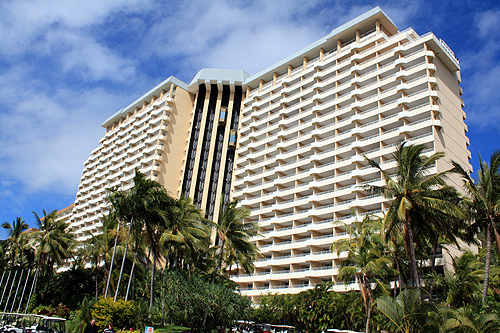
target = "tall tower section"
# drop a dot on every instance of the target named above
(148, 135)
(209, 163)
(309, 121)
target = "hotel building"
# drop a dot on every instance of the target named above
(289, 142)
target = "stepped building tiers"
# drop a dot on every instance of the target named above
(288, 142)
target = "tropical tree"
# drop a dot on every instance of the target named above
(186, 236)
(365, 261)
(234, 234)
(158, 214)
(483, 205)
(394, 243)
(15, 243)
(446, 228)
(97, 250)
(52, 242)
(407, 313)
(415, 192)
(140, 209)
(313, 308)
(3, 253)
(463, 286)
(185, 297)
(465, 319)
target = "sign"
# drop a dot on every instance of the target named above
(149, 329)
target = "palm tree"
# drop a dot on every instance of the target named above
(187, 235)
(414, 191)
(98, 248)
(365, 258)
(15, 243)
(446, 229)
(466, 319)
(463, 286)
(140, 208)
(394, 243)
(239, 259)
(483, 205)
(52, 242)
(158, 214)
(407, 313)
(234, 234)
(3, 253)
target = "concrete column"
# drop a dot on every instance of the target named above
(211, 151)
(225, 145)
(200, 140)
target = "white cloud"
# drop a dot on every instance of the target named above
(250, 35)
(46, 135)
(92, 61)
(488, 23)
(25, 21)
(62, 31)
(481, 65)
(261, 49)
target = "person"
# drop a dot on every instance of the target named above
(110, 329)
(91, 328)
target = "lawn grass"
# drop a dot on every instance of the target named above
(172, 328)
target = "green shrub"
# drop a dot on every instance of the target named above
(120, 313)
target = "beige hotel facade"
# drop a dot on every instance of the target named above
(288, 142)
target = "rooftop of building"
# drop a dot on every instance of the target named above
(346, 32)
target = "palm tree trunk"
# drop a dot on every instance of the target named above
(112, 260)
(364, 290)
(33, 288)
(24, 289)
(130, 280)
(123, 261)
(219, 261)
(10, 292)
(400, 280)
(369, 309)
(433, 264)
(1, 281)
(17, 290)
(5, 287)
(96, 288)
(434, 255)
(488, 258)
(414, 269)
(153, 266)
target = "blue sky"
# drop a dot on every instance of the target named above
(65, 66)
